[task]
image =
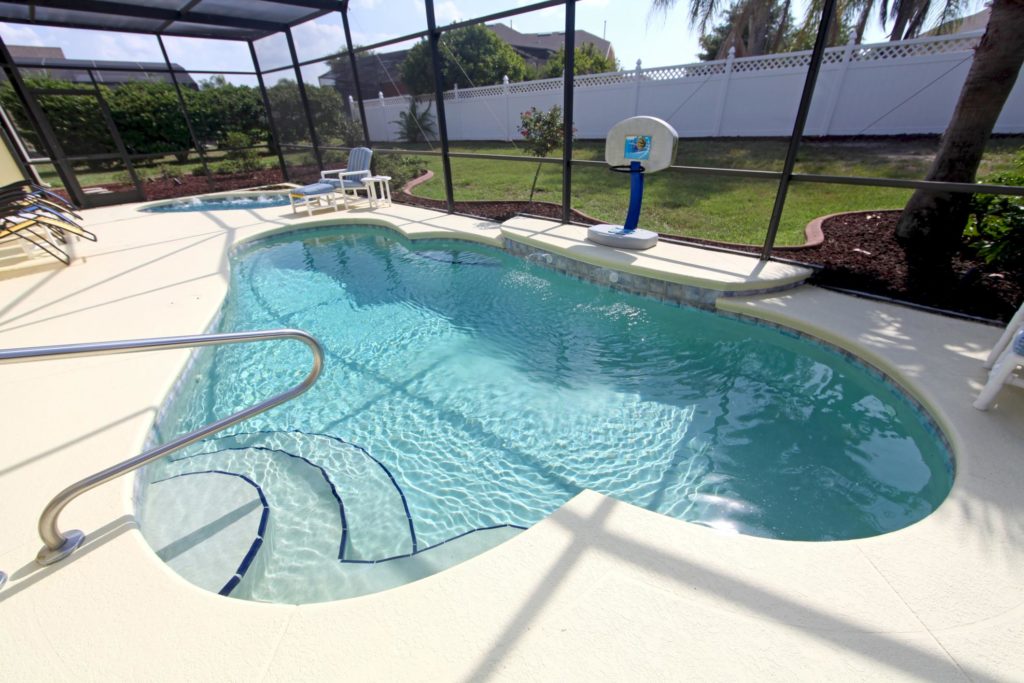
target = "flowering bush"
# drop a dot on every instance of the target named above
(542, 131)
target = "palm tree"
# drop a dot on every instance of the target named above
(752, 17)
(754, 25)
(932, 223)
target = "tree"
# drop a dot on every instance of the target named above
(333, 126)
(416, 124)
(763, 26)
(148, 116)
(470, 56)
(219, 108)
(839, 28)
(542, 131)
(932, 224)
(587, 60)
(750, 31)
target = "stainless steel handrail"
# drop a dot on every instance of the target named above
(59, 545)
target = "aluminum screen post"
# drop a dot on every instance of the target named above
(355, 73)
(184, 110)
(42, 127)
(434, 38)
(567, 104)
(798, 126)
(304, 99)
(269, 114)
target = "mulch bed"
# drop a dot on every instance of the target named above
(187, 185)
(860, 253)
(495, 211)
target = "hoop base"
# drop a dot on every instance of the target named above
(617, 236)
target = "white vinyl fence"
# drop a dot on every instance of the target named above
(906, 87)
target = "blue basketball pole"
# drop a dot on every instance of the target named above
(636, 196)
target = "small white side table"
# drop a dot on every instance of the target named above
(378, 190)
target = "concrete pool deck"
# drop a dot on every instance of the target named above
(599, 590)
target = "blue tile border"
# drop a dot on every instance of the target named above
(436, 545)
(323, 473)
(930, 425)
(257, 543)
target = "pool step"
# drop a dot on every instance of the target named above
(336, 524)
(339, 580)
(376, 516)
(305, 522)
(212, 540)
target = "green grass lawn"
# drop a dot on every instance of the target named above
(677, 203)
(710, 207)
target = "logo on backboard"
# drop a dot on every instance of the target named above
(638, 147)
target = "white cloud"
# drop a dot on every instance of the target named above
(128, 47)
(317, 39)
(16, 34)
(445, 11)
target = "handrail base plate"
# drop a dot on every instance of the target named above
(72, 539)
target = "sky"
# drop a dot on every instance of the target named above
(658, 39)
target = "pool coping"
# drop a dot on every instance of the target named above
(599, 589)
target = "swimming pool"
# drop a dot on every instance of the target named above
(221, 203)
(469, 393)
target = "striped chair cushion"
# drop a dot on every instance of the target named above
(347, 182)
(315, 188)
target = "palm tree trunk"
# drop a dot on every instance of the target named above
(902, 12)
(932, 224)
(862, 23)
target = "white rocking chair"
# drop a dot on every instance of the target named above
(1006, 358)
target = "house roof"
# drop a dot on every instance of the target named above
(550, 42)
(107, 71)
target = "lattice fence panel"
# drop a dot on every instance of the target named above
(774, 63)
(873, 53)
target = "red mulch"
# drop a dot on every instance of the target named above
(860, 253)
(495, 211)
(188, 185)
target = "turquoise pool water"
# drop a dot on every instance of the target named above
(468, 394)
(261, 201)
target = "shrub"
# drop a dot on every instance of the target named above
(241, 158)
(401, 168)
(996, 227)
(167, 171)
(542, 131)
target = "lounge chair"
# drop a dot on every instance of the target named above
(1006, 358)
(41, 219)
(350, 178)
(316, 193)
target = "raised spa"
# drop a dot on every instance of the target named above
(469, 393)
(221, 203)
